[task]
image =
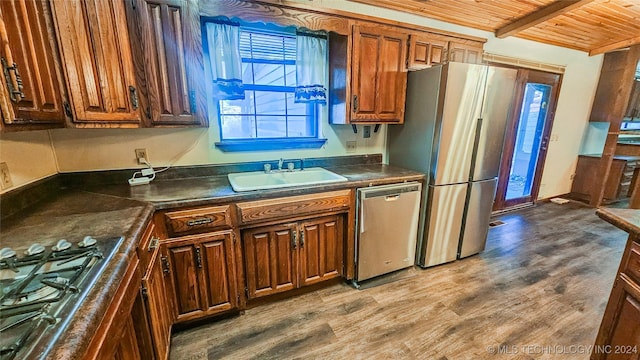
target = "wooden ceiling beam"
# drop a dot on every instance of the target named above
(614, 46)
(557, 8)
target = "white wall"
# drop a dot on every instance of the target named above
(29, 156)
(99, 149)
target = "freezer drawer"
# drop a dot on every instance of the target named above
(444, 221)
(387, 228)
(476, 224)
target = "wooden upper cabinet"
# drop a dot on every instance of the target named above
(96, 52)
(426, 51)
(163, 34)
(379, 77)
(32, 96)
(467, 51)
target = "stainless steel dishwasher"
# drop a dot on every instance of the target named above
(387, 228)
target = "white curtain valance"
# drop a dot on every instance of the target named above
(223, 40)
(311, 67)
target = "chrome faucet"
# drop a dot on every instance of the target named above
(280, 162)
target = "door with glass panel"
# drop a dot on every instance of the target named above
(527, 139)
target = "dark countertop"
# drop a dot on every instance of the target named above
(167, 194)
(625, 219)
(618, 157)
(72, 215)
(121, 210)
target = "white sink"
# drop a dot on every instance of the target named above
(259, 180)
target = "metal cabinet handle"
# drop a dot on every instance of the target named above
(198, 258)
(165, 265)
(355, 103)
(133, 95)
(201, 221)
(153, 244)
(15, 94)
(294, 238)
(301, 238)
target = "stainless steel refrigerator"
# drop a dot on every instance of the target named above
(455, 121)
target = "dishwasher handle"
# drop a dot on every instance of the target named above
(390, 193)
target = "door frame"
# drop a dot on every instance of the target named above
(526, 76)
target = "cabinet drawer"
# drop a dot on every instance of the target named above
(198, 220)
(633, 264)
(272, 209)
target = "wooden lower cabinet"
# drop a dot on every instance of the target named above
(321, 256)
(270, 260)
(619, 335)
(291, 255)
(618, 184)
(121, 335)
(201, 270)
(158, 307)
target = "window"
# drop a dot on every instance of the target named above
(268, 117)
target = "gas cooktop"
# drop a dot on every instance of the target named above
(42, 288)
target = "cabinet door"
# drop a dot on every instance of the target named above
(633, 109)
(183, 259)
(321, 255)
(167, 31)
(620, 326)
(379, 77)
(96, 53)
(127, 347)
(269, 257)
(466, 51)
(425, 51)
(30, 66)
(158, 308)
(219, 275)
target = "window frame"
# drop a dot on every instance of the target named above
(269, 143)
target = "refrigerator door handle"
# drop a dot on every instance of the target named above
(361, 220)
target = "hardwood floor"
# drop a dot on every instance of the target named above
(539, 288)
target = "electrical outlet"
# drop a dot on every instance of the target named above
(366, 132)
(141, 154)
(352, 146)
(5, 176)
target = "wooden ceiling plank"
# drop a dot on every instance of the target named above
(544, 14)
(614, 46)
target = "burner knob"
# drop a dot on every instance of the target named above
(87, 241)
(34, 249)
(7, 253)
(61, 245)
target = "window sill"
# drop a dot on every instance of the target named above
(269, 144)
